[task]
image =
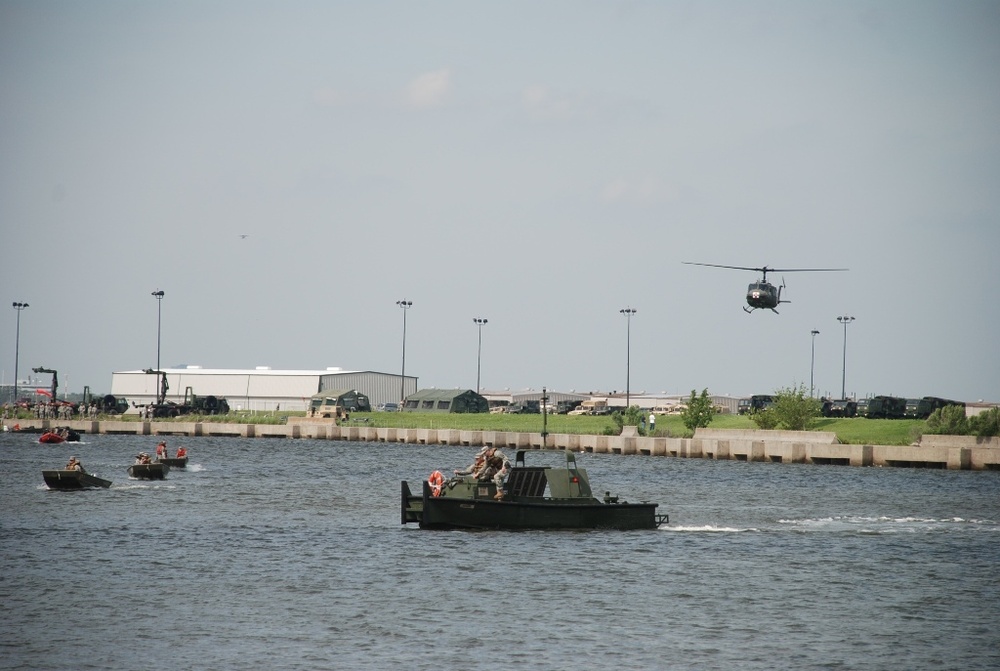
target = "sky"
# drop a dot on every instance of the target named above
(285, 172)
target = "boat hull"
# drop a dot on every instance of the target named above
(51, 438)
(174, 462)
(65, 480)
(157, 471)
(444, 512)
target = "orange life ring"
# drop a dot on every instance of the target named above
(435, 480)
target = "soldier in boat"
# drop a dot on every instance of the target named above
(490, 464)
(475, 466)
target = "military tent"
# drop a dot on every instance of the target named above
(446, 400)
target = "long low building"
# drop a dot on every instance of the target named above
(259, 389)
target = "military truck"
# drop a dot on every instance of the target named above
(886, 407)
(929, 404)
(592, 406)
(760, 402)
(529, 407)
(337, 403)
(567, 406)
(192, 404)
(107, 404)
(841, 407)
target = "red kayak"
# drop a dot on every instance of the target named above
(51, 437)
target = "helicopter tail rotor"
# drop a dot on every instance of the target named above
(780, 289)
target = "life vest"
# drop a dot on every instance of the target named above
(181, 452)
(435, 480)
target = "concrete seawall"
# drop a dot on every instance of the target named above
(787, 447)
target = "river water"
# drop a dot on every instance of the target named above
(288, 554)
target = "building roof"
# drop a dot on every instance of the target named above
(262, 370)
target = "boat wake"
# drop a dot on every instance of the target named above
(708, 528)
(194, 468)
(890, 525)
(143, 484)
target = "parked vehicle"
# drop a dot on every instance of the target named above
(863, 407)
(565, 407)
(886, 407)
(192, 403)
(929, 404)
(525, 408)
(592, 406)
(841, 407)
(761, 402)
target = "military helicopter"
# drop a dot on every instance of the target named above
(763, 294)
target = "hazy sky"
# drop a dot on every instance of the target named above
(539, 164)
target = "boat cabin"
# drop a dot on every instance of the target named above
(563, 483)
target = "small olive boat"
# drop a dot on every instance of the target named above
(174, 462)
(534, 497)
(154, 471)
(67, 479)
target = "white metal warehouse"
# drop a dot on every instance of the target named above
(259, 388)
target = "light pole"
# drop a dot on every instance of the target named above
(479, 358)
(628, 312)
(158, 295)
(402, 375)
(812, 362)
(545, 417)
(17, 346)
(845, 320)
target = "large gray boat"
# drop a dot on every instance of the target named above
(533, 497)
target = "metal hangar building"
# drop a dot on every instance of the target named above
(261, 388)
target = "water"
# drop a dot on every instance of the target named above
(288, 554)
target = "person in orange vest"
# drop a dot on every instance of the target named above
(161, 450)
(181, 452)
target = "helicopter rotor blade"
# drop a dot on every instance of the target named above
(716, 265)
(806, 270)
(766, 269)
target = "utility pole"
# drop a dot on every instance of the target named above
(628, 312)
(405, 305)
(17, 347)
(845, 320)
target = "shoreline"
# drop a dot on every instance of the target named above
(753, 445)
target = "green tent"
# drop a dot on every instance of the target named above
(446, 400)
(324, 403)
